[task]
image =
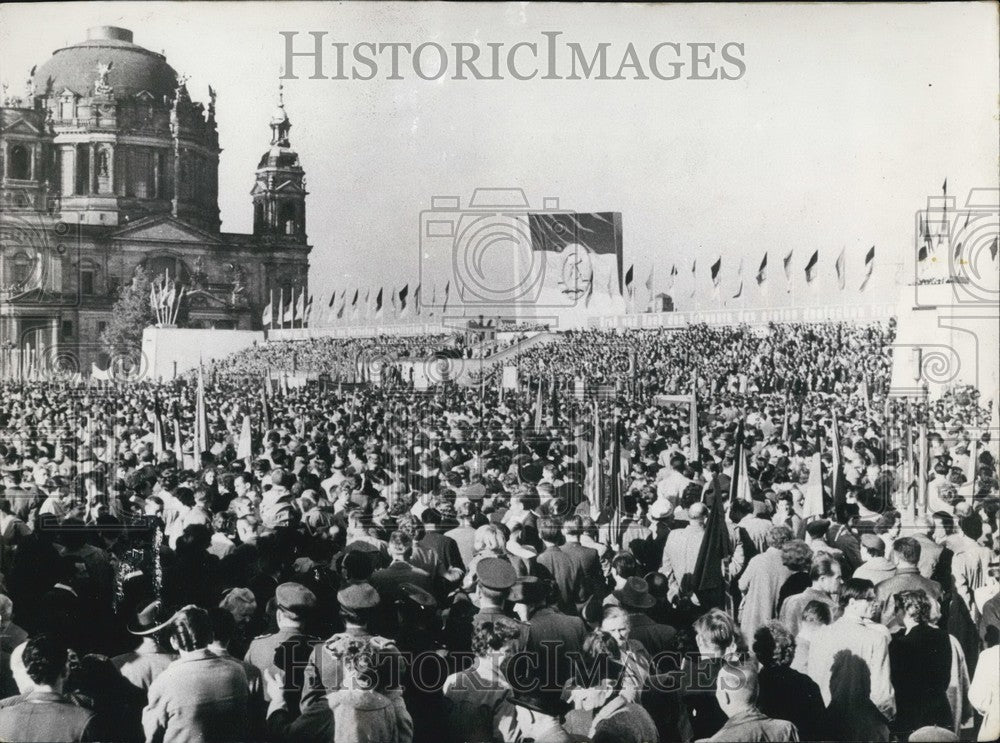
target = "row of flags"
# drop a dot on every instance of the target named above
(761, 276)
(350, 305)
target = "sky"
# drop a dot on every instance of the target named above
(846, 119)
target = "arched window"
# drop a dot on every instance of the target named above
(19, 167)
(286, 218)
(20, 269)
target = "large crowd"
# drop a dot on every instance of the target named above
(359, 560)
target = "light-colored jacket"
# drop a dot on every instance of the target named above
(836, 653)
(369, 717)
(680, 555)
(984, 693)
(199, 697)
(761, 583)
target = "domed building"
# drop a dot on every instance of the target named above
(107, 165)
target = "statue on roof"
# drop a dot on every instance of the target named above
(101, 84)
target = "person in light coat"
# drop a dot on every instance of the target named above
(761, 583)
(849, 659)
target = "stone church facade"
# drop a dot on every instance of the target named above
(107, 165)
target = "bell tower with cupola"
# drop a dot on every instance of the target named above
(279, 194)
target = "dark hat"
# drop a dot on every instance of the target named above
(818, 529)
(527, 692)
(496, 573)
(151, 620)
(635, 594)
(361, 596)
(294, 598)
(529, 589)
(417, 595)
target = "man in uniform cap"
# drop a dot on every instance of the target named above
(324, 672)
(293, 605)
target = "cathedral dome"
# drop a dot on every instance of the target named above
(133, 68)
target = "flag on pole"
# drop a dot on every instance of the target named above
(159, 439)
(595, 473)
(944, 187)
(787, 264)
(281, 307)
(995, 248)
(265, 408)
(201, 435)
(403, 294)
(841, 273)
(416, 300)
(243, 446)
(811, 267)
(869, 265)
(178, 446)
(693, 434)
(762, 271)
(628, 281)
(539, 404)
(694, 276)
(837, 483)
(813, 495)
(343, 305)
(378, 304)
(266, 316)
(739, 274)
(673, 277)
(447, 289)
(715, 548)
(739, 487)
(716, 270)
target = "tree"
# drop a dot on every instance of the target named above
(122, 339)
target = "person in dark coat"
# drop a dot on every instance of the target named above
(920, 666)
(554, 636)
(660, 640)
(562, 568)
(786, 694)
(45, 714)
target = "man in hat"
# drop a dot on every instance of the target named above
(154, 654)
(359, 605)
(539, 710)
(294, 603)
(658, 639)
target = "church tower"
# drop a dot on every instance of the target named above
(279, 194)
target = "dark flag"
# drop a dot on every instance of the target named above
(715, 547)
(554, 401)
(869, 265)
(378, 302)
(716, 268)
(159, 435)
(402, 297)
(739, 487)
(994, 248)
(762, 271)
(811, 267)
(944, 187)
(265, 410)
(628, 280)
